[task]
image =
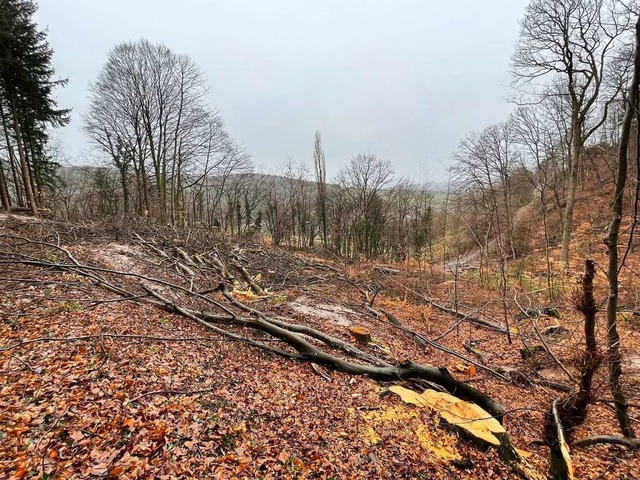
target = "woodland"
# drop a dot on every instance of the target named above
(171, 311)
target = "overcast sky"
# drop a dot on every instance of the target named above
(404, 79)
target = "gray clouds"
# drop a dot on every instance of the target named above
(404, 79)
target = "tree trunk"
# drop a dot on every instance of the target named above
(567, 223)
(4, 191)
(125, 189)
(613, 339)
(12, 162)
(26, 176)
(571, 411)
(588, 307)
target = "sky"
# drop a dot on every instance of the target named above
(406, 80)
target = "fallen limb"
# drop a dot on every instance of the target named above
(85, 338)
(257, 289)
(457, 324)
(456, 313)
(447, 350)
(469, 348)
(631, 443)
(386, 270)
(551, 354)
(560, 465)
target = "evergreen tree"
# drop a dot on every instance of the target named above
(26, 94)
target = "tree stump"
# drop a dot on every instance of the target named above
(361, 334)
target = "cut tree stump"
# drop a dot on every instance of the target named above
(361, 334)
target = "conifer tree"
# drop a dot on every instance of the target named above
(26, 94)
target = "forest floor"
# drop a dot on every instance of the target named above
(96, 386)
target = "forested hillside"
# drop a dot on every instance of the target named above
(173, 308)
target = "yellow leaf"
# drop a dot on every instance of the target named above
(371, 437)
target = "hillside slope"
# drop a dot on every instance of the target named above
(97, 386)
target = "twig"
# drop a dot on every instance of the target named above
(610, 439)
(320, 372)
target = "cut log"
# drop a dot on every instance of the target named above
(257, 289)
(361, 334)
(185, 256)
(468, 346)
(471, 422)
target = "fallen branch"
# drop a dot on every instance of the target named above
(631, 443)
(447, 350)
(551, 354)
(456, 313)
(85, 338)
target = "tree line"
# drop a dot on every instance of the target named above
(164, 152)
(571, 69)
(175, 163)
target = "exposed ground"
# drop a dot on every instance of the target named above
(96, 386)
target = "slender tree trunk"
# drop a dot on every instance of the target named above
(125, 189)
(37, 182)
(588, 308)
(139, 197)
(12, 161)
(613, 339)
(26, 175)
(4, 191)
(16, 182)
(32, 176)
(547, 255)
(567, 223)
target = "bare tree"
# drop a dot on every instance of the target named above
(148, 113)
(364, 180)
(536, 136)
(572, 42)
(485, 161)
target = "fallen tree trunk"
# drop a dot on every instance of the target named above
(560, 465)
(310, 353)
